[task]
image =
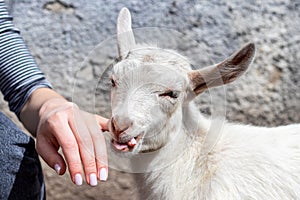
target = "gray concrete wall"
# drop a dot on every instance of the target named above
(60, 35)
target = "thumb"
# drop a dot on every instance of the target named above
(49, 152)
(103, 122)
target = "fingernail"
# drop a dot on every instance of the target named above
(78, 179)
(57, 168)
(93, 179)
(103, 174)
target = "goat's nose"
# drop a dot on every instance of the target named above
(118, 128)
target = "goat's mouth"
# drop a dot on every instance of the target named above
(128, 145)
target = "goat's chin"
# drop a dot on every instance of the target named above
(150, 146)
(152, 141)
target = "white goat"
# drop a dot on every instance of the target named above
(152, 89)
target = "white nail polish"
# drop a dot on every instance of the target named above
(103, 174)
(57, 168)
(93, 179)
(78, 179)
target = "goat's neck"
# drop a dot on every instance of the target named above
(192, 132)
(194, 123)
(189, 142)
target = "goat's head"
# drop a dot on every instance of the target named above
(150, 86)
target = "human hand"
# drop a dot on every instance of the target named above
(79, 134)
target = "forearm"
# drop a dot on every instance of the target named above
(19, 74)
(29, 114)
(55, 122)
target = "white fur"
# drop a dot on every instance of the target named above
(237, 162)
(246, 163)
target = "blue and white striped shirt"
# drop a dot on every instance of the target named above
(19, 74)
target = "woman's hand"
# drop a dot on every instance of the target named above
(61, 124)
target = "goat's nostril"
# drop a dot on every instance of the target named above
(120, 132)
(117, 128)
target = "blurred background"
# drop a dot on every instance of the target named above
(62, 36)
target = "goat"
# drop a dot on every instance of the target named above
(151, 97)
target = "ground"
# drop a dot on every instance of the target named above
(61, 34)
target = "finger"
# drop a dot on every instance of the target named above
(86, 147)
(70, 150)
(103, 122)
(48, 151)
(99, 147)
(101, 155)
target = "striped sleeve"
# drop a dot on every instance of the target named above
(19, 74)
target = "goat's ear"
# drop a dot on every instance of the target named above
(224, 72)
(125, 35)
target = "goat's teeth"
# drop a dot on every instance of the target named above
(132, 142)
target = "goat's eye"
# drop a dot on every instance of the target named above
(113, 82)
(172, 94)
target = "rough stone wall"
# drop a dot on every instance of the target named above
(61, 33)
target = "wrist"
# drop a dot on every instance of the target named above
(29, 114)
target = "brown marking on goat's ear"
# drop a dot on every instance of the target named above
(198, 82)
(224, 72)
(125, 36)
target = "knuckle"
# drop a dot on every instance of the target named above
(102, 161)
(73, 105)
(59, 115)
(84, 141)
(74, 166)
(89, 165)
(101, 156)
(70, 106)
(69, 145)
(53, 119)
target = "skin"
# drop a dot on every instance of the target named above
(57, 123)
